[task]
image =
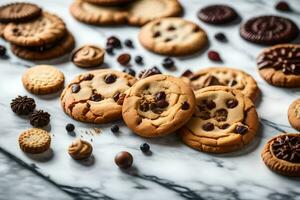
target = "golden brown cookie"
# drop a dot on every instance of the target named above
(46, 52)
(279, 65)
(173, 37)
(46, 29)
(141, 12)
(224, 121)
(19, 12)
(294, 114)
(95, 14)
(34, 141)
(224, 76)
(43, 79)
(88, 56)
(2, 27)
(158, 105)
(110, 2)
(281, 154)
(80, 149)
(96, 96)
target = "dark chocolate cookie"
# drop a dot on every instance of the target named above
(269, 30)
(217, 14)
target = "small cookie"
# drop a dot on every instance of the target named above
(224, 121)
(294, 114)
(46, 52)
(109, 2)
(98, 15)
(96, 96)
(217, 14)
(141, 12)
(158, 105)
(46, 29)
(80, 149)
(269, 30)
(19, 12)
(43, 79)
(88, 56)
(34, 141)
(279, 65)
(224, 76)
(173, 37)
(281, 154)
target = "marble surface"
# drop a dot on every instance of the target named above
(173, 170)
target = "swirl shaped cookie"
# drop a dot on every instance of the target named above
(224, 76)
(172, 36)
(96, 96)
(88, 56)
(158, 105)
(281, 154)
(294, 114)
(80, 149)
(224, 121)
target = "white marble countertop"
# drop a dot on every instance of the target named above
(173, 171)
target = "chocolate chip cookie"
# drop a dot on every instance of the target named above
(96, 96)
(217, 14)
(294, 114)
(224, 76)
(88, 56)
(158, 105)
(281, 154)
(173, 37)
(224, 121)
(269, 30)
(279, 65)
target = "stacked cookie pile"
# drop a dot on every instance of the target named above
(34, 34)
(132, 12)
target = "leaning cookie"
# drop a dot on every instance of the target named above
(224, 76)
(281, 154)
(294, 114)
(158, 105)
(279, 65)
(173, 37)
(224, 121)
(96, 96)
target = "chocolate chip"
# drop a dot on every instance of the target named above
(221, 115)
(211, 80)
(210, 104)
(232, 83)
(208, 126)
(231, 103)
(168, 63)
(187, 73)
(114, 128)
(283, 6)
(111, 78)
(128, 43)
(121, 99)
(124, 59)
(124, 159)
(145, 147)
(139, 60)
(204, 115)
(129, 71)
(156, 34)
(70, 127)
(171, 28)
(96, 97)
(88, 77)
(221, 37)
(113, 42)
(144, 107)
(75, 88)
(160, 96)
(110, 50)
(224, 126)
(240, 129)
(168, 39)
(2, 51)
(185, 106)
(162, 103)
(214, 56)
(149, 72)
(116, 96)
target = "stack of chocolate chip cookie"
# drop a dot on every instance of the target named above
(34, 34)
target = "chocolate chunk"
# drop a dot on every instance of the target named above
(139, 60)
(210, 104)
(221, 115)
(187, 73)
(144, 106)
(149, 72)
(185, 106)
(204, 115)
(114, 42)
(129, 71)
(39, 118)
(88, 77)
(208, 126)
(168, 63)
(162, 103)
(283, 6)
(171, 28)
(211, 80)
(121, 99)
(124, 159)
(160, 96)
(110, 78)
(287, 147)
(96, 97)
(124, 59)
(217, 14)
(221, 37)
(232, 103)
(156, 34)
(75, 88)
(167, 40)
(22, 105)
(128, 43)
(224, 126)
(232, 83)
(241, 129)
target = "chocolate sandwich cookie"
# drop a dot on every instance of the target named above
(294, 114)
(224, 121)
(217, 14)
(48, 51)
(281, 154)
(269, 30)
(19, 12)
(96, 96)
(158, 105)
(279, 65)
(224, 76)
(88, 56)
(110, 2)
